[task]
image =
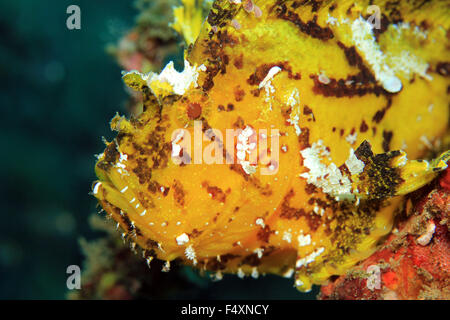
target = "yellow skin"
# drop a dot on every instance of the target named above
(232, 221)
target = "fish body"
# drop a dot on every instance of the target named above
(327, 111)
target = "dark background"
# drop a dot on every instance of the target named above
(59, 90)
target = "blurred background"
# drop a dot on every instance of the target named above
(59, 90)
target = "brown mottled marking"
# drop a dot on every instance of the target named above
(239, 93)
(379, 115)
(142, 171)
(287, 212)
(151, 244)
(310, 188)
(264, 234)
(363, 127)
(303, 138)
(310, 28)
(195, 233)
(111, 153)
(353, 85)
(262, 70)
(264, 190)
(387, 137)
(179, 193)
(314, 221)
(215, 192)
(218, 62)
(239, 123)
(251, 260)
(239, 61)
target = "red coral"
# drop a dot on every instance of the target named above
(409, 269)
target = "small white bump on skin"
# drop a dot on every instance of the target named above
(430, 108)
(99, 156)
(272, 72)
(217, 276)
(309, 258)
(354, 165)
(96, 187)
(240, 273)
(289, 273)
(143, 213)
(259, 252)
(294, 98)
(294, 118)
(351, 138)
(248, 168)
(299, 283)
(287, 236)
(182, 239)
(190, 254)
(260, 222)
(323, 78)
(123, 157)
(331, 20)
(132, 200)
(425, 238)
(304, 240)
(255, 273)
(120, 165)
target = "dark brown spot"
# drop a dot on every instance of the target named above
(178, 193)
(239, 94)
(387, 137)
(215, 192)
(363, 127)
(443, 68)
(239, 61)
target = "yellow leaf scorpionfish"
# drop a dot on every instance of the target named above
(289, 141)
